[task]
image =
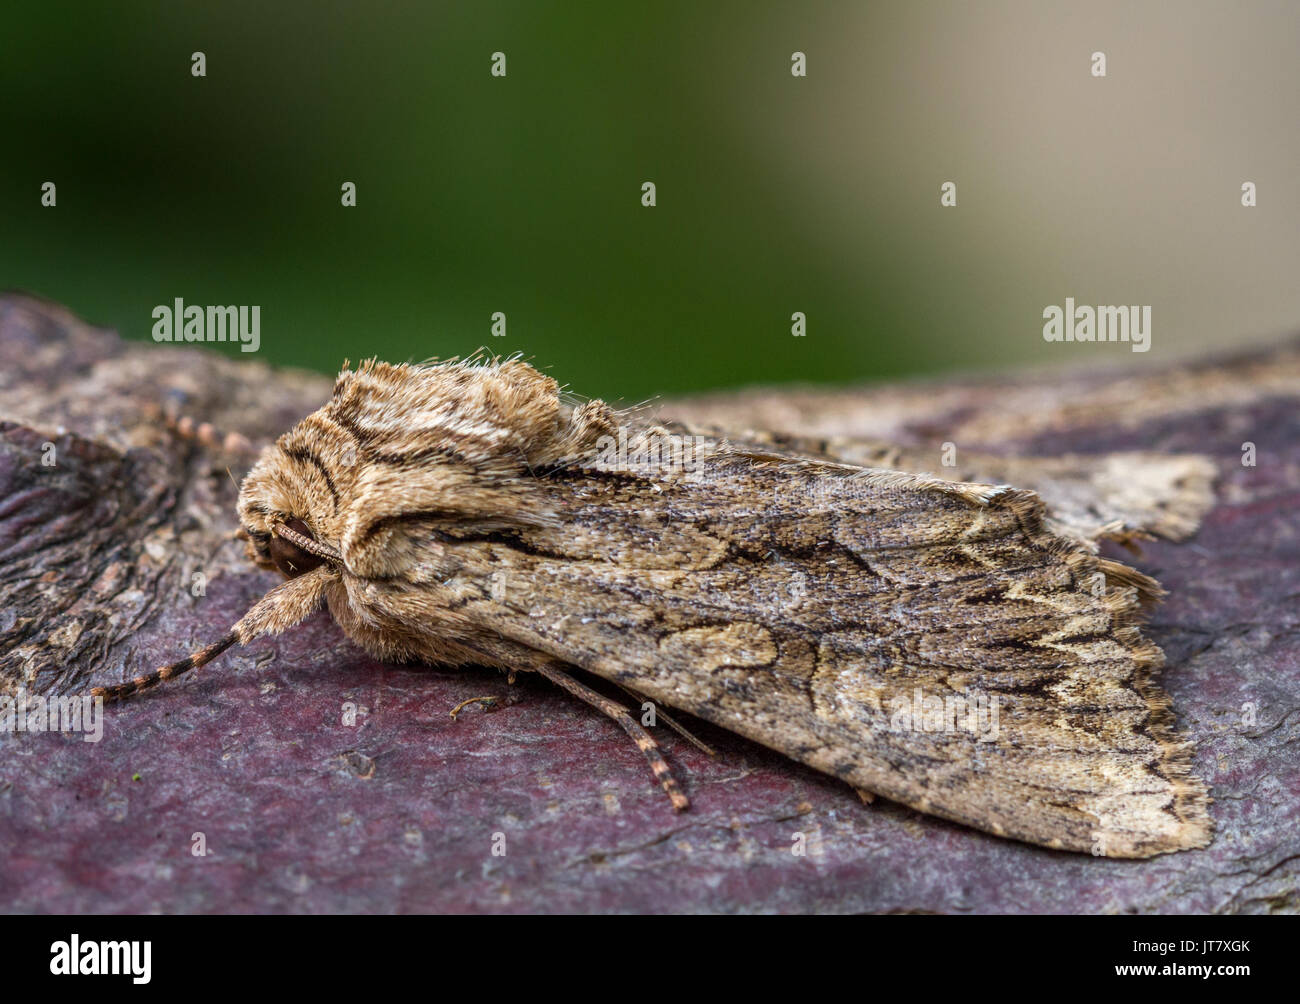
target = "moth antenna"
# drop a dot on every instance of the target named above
(283, 607)
(639, 735)
(308, 544)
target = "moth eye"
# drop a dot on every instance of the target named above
(289, 558)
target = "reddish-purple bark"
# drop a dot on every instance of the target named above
(399, 813)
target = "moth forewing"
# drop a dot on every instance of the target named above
(913, 594)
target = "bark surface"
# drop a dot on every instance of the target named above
(298, 812)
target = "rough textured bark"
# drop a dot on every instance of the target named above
(301, 813)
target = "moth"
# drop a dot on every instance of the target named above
(467, 513)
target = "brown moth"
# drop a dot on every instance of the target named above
(466, 513)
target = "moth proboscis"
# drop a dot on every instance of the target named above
(467, 513)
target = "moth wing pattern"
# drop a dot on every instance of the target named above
(800, 603)
(824, 633)
(1119, 495)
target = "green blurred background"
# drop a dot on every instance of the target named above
(775, 194)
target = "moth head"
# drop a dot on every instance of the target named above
(406, 461)
(281, 519)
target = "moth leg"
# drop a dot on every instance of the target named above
(672, 723)
(619, 713)
(122, 691)
(287, 604)
(204, 433)
(487, 702)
